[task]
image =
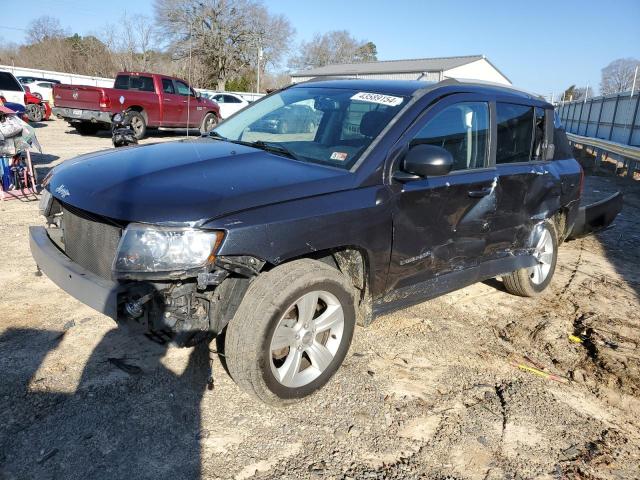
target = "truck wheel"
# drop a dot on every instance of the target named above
(291, 332)
(138, 124)
(529, 282)
(87, 128)
(209, 122)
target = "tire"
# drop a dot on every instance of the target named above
(87, 128)
(209, 122)
(35, 112)
(138, 124)
(529, 282)
(251, 346)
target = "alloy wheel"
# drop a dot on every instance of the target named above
(543, 253)
(306, 339)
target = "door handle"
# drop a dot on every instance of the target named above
(167, 99)
(480, 193)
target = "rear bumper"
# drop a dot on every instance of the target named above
(596, 216)
(76, 114)
(92, 290)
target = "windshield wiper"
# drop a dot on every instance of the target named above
(273, 148)
(216, 135)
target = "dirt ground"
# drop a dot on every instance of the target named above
(432, 392)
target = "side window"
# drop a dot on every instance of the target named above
(183, 88)
(515, 133)
(7, 82)
(219, 98)
(142, 84)
(537, 152)
(230, 99)
(167, 86)
(122, 82)
(463, 130)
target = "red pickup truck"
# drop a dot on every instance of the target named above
(155, 100)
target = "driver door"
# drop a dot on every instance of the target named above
(441, 223)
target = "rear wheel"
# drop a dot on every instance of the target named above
(209, 122)
(291, 332)
(138, 124)
(529, 282)
(86, 128)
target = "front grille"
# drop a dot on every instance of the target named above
(89, 240)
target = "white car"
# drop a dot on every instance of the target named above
(229, 103)
(41, 89)
(10, 88)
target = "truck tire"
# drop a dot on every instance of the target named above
(529, 282)
(209, 122)
(291, 331)
(138, 124)
(87, 128)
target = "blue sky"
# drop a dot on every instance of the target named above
(542, 46)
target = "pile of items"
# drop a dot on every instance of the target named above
(17, 177)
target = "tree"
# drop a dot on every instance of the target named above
(44, 28)
(130, 42)
(332, 48)
(223, 36)
(618, 76)
(366, 53)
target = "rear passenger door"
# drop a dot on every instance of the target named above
(527, 191)
(172, 106)
(442, 223)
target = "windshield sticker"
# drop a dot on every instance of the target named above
(378, 98)
(340, 156)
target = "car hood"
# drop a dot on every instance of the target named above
(188, 181)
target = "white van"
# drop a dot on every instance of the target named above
(10, 88)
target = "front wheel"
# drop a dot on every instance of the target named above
(529, 282)
(291, 332)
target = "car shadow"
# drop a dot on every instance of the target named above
(619, 242)
(43, 163)
(127, 416)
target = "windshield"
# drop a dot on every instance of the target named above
(321, 125)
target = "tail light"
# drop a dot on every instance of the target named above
(105, 102)
(2, 99)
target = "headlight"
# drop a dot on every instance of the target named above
(151, 249)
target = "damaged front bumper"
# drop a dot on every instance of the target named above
(92, 290)
(598, 215)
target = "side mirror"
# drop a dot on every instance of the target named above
(427, 161)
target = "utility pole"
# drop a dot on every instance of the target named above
(258, 73)
(635, 77)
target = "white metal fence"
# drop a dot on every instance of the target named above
(613, 117)
(69, 78)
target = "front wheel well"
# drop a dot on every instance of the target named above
(353, 263)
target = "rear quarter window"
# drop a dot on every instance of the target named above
(8, 82)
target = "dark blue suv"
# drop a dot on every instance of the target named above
(283, 239)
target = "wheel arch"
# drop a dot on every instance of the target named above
(354, 263)
(141, 110)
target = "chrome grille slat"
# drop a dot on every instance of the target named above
(89, 242)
